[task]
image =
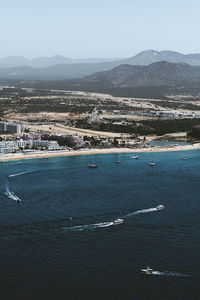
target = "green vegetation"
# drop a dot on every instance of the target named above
(176, 105)
(157, 127)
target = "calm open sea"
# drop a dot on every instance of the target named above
(60, 242)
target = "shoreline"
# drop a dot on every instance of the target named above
(21, 156)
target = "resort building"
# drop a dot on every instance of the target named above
(14, 128)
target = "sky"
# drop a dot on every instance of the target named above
(98, 28)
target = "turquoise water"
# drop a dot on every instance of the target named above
(60, 241)
(162, 143)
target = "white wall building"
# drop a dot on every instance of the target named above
(11, 127)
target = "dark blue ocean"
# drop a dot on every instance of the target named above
(60, 241)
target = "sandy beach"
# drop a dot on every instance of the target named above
(45, 154)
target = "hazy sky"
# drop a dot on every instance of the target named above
(98, 28)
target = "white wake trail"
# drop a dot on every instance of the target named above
(12, 195)
(141, 211)
(90, 226)
(166, 273)
(18, 174)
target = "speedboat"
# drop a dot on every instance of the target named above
(118, 221)
(118, 161)
(92, 166)
(160, 207)
(136, 157)
(152, 163)
(185, 158)
(147, 271)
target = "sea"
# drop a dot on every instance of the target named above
(58, 239)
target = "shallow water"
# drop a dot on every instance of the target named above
(162, 143)
(60, 241)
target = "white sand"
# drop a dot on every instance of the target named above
(45, 154)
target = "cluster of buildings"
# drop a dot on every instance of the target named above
(169, 114)
(35, 141)
(73, 141)
(17, 145)
(9, 127)
(158, 114)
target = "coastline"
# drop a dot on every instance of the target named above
(45, 154)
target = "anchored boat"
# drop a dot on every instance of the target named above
(92, 166)
(118, 161)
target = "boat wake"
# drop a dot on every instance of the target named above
(115, 222)
(91, 226)
(18, 174)
(166, 273)
(141, 211)
(12, 195)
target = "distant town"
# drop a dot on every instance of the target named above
(49, 120)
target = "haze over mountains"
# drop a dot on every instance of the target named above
(44, 62)
(61, 68)
(156, 80)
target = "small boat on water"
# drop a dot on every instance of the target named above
(18, 200)
(118, 221)
(185, 158)
(147, 271)
(92, 166)
(118, 161)
(135, 157)
(160, 207)
(152, 163)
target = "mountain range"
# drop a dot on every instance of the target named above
(62, 68)
(44, 62)
(156, 74)
(156, 80)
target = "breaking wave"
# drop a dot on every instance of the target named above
(11, 195)
(18, 174)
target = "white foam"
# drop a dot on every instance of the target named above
(18, 174)
(141, 211)
(91, 226)
(166, 273)
(11, 195)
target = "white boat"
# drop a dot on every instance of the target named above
(147, 271)
(18, 199)
(92, 166)
(160, 207)
(185, 158)
(152, 163)
(135, 157)
(118, 161)
(118, 221)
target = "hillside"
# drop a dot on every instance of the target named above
(62, 68)
(156, 74)
(151, 56)
(153, 81)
